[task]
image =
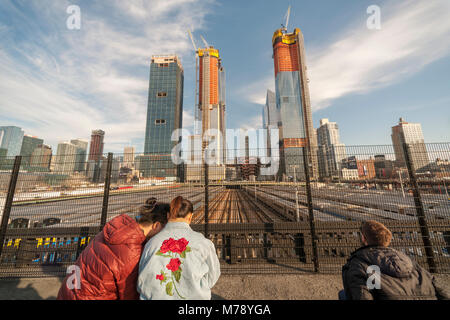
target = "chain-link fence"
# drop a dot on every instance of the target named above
(299, 210)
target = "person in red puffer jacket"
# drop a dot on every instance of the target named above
(109, 264)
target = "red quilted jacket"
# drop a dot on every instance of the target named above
(109, 264)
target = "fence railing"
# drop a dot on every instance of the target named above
(302, 217)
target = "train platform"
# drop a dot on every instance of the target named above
(229, 287)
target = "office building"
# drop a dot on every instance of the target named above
(41, 157)
(271, 118)
(411, 133)
(29, 143)
(66, 156)
(11, 139)
(331, 151)
(293, 103)
(211, 102)
(164, 116)
(81, 152)
(97, 144)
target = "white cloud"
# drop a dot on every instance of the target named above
(60, 84)
(413, 34)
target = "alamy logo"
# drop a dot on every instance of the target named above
(73, 22)
(215, 152)
(74, 280)
(374, 279)
(374, 20)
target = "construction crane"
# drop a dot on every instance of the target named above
(204, 41)
(193, 42)
(197, 115)
(288, 13)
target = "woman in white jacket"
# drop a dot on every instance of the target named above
(178, 263)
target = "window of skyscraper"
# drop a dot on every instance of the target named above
(160, 121)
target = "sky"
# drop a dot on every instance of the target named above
(60, 84)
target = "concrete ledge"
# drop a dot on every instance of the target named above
(229, 287)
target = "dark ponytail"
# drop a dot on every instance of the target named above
(153, 211)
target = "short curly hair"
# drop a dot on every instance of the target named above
(376, 233)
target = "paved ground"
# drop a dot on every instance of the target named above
(253, 287)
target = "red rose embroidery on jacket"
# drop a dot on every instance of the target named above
(174, 264)
(170, 248)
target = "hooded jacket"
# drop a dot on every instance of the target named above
(400, 277)
(109, 264)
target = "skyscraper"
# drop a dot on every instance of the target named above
(331, 151)
(164, 115)
(41, 157)
(65, 161)
(271, 118)
(29, 143)
(81, 152)
(411, 133)
(11, 139)
(96, 147)
(293, 102)
(211, 100)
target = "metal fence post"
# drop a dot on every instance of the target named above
(106, 191)
(206, 200)
(312, 225)
(9, 201)
(420, 210)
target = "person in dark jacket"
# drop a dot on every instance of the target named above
(378, 272)
(107, 269)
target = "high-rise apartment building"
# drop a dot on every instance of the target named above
(81, 151)
(41, 157)
(411, 133)
(293, 103)
(96, 147)
(331, 151)
(211, 101)
(65, 161)
(271, 119)
(164, 116)
(11, 139)
(29, 143)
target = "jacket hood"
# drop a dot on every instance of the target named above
(390, 261)
(123, 230)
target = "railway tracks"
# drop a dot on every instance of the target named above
(236, 206)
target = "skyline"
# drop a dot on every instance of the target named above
(102, 81)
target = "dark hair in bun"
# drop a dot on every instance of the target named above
(153, 211)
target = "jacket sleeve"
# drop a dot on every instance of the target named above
(214, 266)
(442, 292)
(354, 279)
(127, 283)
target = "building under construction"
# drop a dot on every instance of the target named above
(211, 101)
(293, 103)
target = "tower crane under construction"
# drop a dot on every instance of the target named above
(210, 98)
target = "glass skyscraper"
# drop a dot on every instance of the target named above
(164, 115)
(29, 143)
(11, 139)
(293, 103)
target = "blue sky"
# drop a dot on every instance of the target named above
(59, 84)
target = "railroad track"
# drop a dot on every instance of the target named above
(236, 206)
